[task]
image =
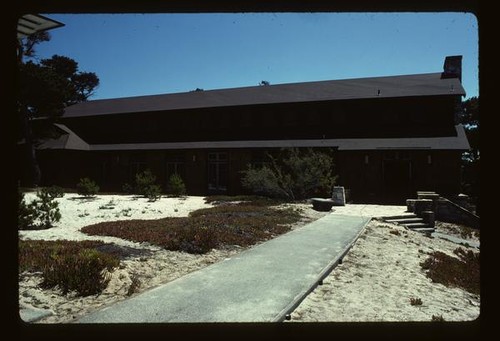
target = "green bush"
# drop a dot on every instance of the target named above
(176, 186)
(83, 272)
(41, 213)
(87, 187)
(293, 175)
(55, 191)
(47, 208)
(26, 214)
(153, 192)
(145, 184)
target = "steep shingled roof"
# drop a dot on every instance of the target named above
(428, 84)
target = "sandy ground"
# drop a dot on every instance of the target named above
(154, 267)
(379, 276)
(374, 283)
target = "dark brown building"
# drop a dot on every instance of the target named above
(390, 136)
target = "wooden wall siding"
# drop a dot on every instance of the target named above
(402, 117)
(365, 180)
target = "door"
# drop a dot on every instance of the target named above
(397, 180)
(217, 173)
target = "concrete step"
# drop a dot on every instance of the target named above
(416, 225)
(404, 221)
(401, 216)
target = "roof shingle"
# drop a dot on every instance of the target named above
(428, 84)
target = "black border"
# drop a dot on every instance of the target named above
(302, 331)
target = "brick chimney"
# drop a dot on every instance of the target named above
(452, 67)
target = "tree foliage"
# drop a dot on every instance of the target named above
(45, 89)
(293, 175)
(53, 84)
(469, 117)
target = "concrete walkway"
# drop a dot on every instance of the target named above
(262, 284)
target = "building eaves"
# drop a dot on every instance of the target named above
(458, 142)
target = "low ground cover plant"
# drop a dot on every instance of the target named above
(68, 265)
(462, 272)
(242, 224)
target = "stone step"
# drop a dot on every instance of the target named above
(413, 226)
(401, 216)
(424, 229)
(404, 221)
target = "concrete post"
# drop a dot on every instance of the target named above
(422, 205)
(429, 218)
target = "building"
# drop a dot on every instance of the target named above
(390, 136)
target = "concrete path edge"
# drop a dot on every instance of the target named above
(322, 275)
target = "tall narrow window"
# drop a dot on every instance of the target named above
(217, 172)
(175, 164)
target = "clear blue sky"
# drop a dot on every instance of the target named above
(145, 54)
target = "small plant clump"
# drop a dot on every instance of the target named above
(415, 301)
(87, 187)
(176, 186)
(68, 265)
(437, 318)
(145, 184)
(41, 213)
(134, 285)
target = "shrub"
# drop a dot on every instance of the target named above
(145, 185)
(41, 213)
(176, 186)
(87, 187)
(295, 174)
(83, 272)
(55, 191)
(48, 209)
(70, 265)
(153, 192)
(26, 214)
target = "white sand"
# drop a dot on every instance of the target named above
(78, 212)
(157, 267)
(375, 282)
(379, 276)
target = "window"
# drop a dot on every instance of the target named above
(175, 164)
(217, 172)
(134, 168)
